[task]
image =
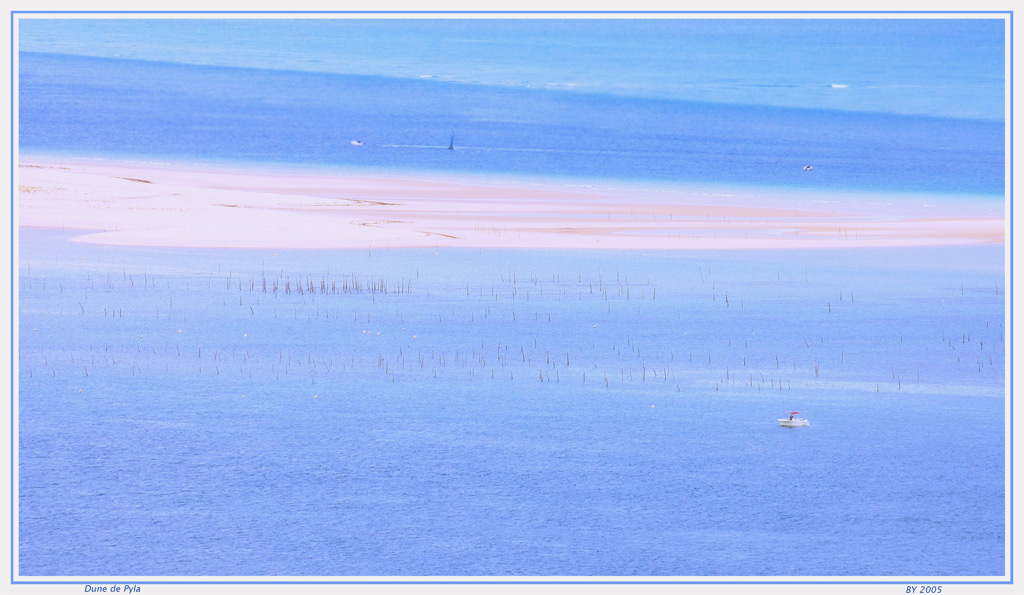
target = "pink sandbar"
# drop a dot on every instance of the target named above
(187, 206)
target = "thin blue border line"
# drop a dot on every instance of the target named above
(12, 297)
(108, 580)
(1009, 297)
(497, 12)
(1009, 15)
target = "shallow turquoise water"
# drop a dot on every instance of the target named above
(942, 67)
(280, 434)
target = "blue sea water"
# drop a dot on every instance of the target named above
(904, 105)
(516, 413)
(519, 412)
(934, 67)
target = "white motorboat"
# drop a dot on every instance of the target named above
(794, 421)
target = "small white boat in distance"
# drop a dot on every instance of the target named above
(794, 421)
(357, 143)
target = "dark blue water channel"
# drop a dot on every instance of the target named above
(123, 108)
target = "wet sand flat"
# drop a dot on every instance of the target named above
(191, 206)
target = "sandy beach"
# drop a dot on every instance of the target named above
(188, 206)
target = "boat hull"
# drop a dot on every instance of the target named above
(794, 423)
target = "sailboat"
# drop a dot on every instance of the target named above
(451, 143)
